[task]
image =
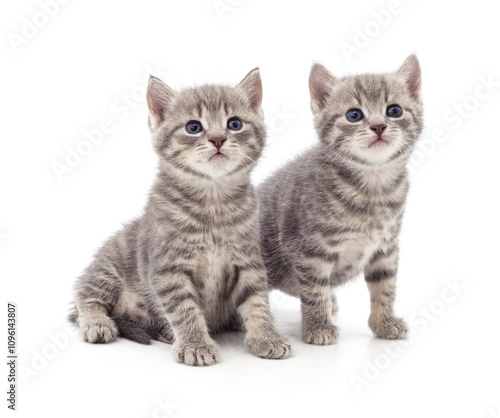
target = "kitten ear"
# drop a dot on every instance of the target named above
(321, 83)
(158, 96)
(410, 71)
(251, 87)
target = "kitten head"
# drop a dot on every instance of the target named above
(374, 118)
(210, 131)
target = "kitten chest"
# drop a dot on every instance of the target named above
(211, 277)
(356, 249)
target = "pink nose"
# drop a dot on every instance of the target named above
(217, 142)
(378, 129)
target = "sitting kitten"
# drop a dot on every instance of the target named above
(336, 210)
(192, 261)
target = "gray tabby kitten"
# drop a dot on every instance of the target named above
(191, 265)
(336, 210)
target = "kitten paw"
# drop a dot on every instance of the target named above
(166, 334)
(321, 334)
(275, 347)
(101, 331)
(192, 354)
(390, 328)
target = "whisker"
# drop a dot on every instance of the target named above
(244, 155)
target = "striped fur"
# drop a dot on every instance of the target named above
(336, 210)
(191, 265)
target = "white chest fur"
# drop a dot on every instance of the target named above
(357, 249)
(212, 274)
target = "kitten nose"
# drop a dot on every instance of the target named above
(217, 142)
(378, 129)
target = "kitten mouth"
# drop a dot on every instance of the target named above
(217, 156)
(378, 142)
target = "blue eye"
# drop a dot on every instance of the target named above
(394, 111)
(354, 115)
(234, 124)
(194, 127)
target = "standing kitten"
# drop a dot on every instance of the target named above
(336, 210)
(192, 261)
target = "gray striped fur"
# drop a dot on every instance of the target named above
(191, 265)
(336, 210)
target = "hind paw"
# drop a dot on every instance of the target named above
(166, 334)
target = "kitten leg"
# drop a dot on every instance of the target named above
(95, 324)
(193, 345)
(335, 304)
(97, 293)
(380, 276)
(316, 306)
(250, 296)
(133, 329)
(236, 324)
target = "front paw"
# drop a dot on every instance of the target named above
(271, 347)
(196, 354)
(325, 334)
(389, 328)
(99, 331)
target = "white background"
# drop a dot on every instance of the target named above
(73, 72)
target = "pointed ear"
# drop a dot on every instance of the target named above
(410, 71)
(251, 87)
(321, 83)
(159, 97)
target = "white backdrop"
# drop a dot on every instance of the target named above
(76, 162)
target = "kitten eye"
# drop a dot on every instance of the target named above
(354, 115)
(194, 127)
(394, 111)
(234, 124)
